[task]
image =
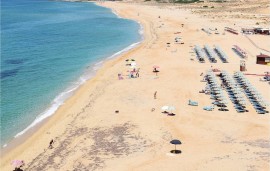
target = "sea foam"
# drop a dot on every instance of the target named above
(86, 74)
(62, 97)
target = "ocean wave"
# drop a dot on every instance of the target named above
(56, 103)
(115, 13)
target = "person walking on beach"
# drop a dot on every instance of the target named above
(155, 95)
(137, 74)
(120, 77)
(51, 143)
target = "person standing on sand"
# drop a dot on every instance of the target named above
(137, 74)
(51, 143)
(155, 95)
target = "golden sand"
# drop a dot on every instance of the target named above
(89, 135)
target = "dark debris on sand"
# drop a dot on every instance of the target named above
(107, 143)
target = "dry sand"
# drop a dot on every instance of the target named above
(89, 135)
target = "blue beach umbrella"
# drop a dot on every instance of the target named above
(175, 142)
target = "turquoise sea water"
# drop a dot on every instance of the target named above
(49, 48)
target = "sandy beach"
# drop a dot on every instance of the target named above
(89, 134)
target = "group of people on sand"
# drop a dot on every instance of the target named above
(134, 73)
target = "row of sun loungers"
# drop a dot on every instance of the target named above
(221, 54)
(210, 31)
(206, 31)
(266, 78)
(210, 54)
(208, 108)
(237, 87)
(199, 53)
(252, 94)
(231, 30)
(216, 92)
(239, 51)
(192, 103)
(234, 92)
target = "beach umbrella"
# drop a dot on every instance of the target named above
(17, 163)
(242, 102)
(132, 59)
(155, 68)
(175, 142)
(223, 102)
(127, 60)
(133, 64)
(171, 108)
(165, 108)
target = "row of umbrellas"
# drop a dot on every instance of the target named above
(209, 52)
(234, 88)
(199, 52)
(250, 88)
(221, 54)
(215, 89)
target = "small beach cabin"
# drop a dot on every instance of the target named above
(247, 31)
(263, 59)
(263, 31)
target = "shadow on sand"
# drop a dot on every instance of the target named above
(176, 151)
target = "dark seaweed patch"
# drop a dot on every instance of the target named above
(14, 61)
(9, 73)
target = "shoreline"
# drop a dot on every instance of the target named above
(66, 94)
(141, 136)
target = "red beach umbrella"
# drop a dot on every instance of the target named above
(17, 163)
